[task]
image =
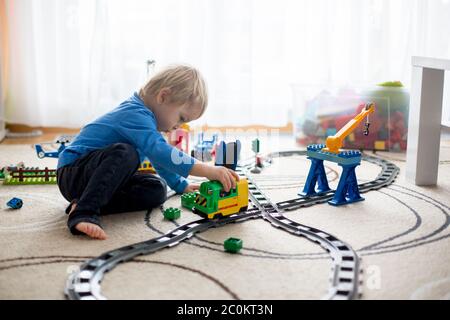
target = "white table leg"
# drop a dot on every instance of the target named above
(424, 132)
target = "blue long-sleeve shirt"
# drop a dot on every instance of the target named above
(134, 123)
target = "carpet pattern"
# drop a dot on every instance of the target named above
(400, 232)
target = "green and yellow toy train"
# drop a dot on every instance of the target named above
(212, 202)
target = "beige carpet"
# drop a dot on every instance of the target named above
(400, 232)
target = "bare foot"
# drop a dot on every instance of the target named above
(90, 229)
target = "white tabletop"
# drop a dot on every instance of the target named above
(432, 63)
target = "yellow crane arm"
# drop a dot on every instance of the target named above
(334, 143)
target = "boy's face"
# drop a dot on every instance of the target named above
(169, 115)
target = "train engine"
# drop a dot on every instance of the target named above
(212, 202)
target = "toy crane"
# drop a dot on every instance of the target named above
(347, 190)
(334, 143)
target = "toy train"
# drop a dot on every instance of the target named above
(212, 202)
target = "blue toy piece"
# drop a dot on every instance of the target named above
(15, 203)
(345, 157)
(318, 176)
(205, 145)
(227, 154)
(53, 154)
(204, 148)
(348, 190)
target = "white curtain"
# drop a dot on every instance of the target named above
(73, 60)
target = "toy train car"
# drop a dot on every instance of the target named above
(212, 202)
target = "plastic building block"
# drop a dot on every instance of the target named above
(316, 175)
(227, 154)
(347, 191)
(204, 149)
(179, 138)
(331, 131)
(351, 137)
(146, 167)
(258, 162)
(188, 199)
(255, 145)
(15, 203)
(172, 213)
(380, 145)
(317, 151)
(232, 245)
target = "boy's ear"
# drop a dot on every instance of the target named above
(163, 95)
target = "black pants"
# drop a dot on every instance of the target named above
(106, 181)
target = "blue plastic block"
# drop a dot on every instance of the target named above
(15, 203)
(227, 154)
(347, 191)
(316, 175)
(344, 158)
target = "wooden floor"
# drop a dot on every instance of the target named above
(47, 136)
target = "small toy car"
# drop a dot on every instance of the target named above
(15, 203)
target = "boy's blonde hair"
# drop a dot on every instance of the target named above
(185, 83)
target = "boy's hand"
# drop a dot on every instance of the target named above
(224, 175)
(191, 188)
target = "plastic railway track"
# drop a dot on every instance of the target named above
(85, 283)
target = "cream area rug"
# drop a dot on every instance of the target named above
(401, 233)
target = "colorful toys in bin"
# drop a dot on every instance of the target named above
(212, 202)
(227, 154)
(328, 111)
(204, 149)
(15, 203)
(347, 190)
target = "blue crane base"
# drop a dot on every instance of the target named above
(347, 191)
(316, 175)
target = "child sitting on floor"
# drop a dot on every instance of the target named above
(97, 172)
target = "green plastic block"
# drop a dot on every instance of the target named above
(28, 181)
(232, 245)
(172, 213)
(188, 199)
(392, 84)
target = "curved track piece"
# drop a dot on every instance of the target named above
(346, 263)
(85, 283)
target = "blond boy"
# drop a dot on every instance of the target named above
(97, 173)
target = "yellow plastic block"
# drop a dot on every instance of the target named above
(380, 145)
(351, 137)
